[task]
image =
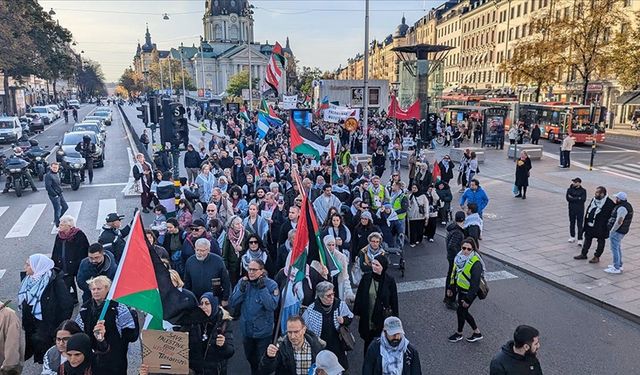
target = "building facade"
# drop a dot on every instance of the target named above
(227, 48)
(483, 34)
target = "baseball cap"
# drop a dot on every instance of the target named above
(113, 217)
(393, 326)
(577, 179)
(621, 195)
(327, 361)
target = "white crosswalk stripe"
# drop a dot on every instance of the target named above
(73, 210)
(105, 207)
(627, 169)
(25, 223)
(412, 286)
(3, 210)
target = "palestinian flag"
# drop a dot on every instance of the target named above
(143, 282)
(244, 115)
(436, 174)
(304, 141)
(277, 52)
(334, 162)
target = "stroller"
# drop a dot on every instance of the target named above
(396, 254)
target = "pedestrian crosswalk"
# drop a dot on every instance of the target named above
(40, 215)
(627, 169)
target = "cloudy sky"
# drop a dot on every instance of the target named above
(323, 33)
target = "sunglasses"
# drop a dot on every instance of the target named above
(467, 248)
(197, 229)
(211, 210)
(253, 242)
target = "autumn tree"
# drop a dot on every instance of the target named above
(238, 82)
(535, 60)
(131, 82)
(625, 55)
(586, 37)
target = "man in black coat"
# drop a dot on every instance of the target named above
(287, 225)
(113, 236)
(69, 248)
(99, 262)
(576, 196)
(595, 224)
(192, 163)
(206, 272)
(396, 346)
(518, 357)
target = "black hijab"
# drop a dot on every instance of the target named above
(82, 343)
(384, 262)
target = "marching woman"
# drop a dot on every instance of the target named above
(465, 278)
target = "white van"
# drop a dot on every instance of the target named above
(10, 129)
(46, 113)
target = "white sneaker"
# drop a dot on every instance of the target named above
(580, 242)
(611, 266)
(571, 240)
(613, 270)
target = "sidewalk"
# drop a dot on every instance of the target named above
(532, 234)
(623, 132)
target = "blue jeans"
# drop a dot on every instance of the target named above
(59, 207)
(615, 239)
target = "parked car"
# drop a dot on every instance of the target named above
(105, 115)
(10, 129)
(45, 112)
(37, 123)
(91, 127)
(71, 139)
(54, 109)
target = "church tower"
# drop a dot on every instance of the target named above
(228, 21)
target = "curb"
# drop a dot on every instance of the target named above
(607, 306)
(129, 190)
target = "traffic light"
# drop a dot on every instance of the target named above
(174, 128)
(155, 112)
(143, 114)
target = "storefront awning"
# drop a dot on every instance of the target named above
(634, 101)
(627, 96)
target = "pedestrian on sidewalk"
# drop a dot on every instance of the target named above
(565, 151)
(518, 356)
(595, 224)
(54, 190)
(535, 134)
(472, 167)
(576, 196)
(462, 170)
(619, 224)
(475, 194)
(465, 279)
(523, 168)
(144, 139)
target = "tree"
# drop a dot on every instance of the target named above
(625, 56)
(131, 82)
(306, 77)
(239, 82)
(585, 37)
(176, 75)
(90, 79)
(534, 60)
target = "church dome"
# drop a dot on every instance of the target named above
(401, 30)
(224, 7)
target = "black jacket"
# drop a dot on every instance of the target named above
(87, 271)
(192, 159)
(599, 228)
(284, 363)
(198, 276)
(114, 240)
(211, 358)
(52, 184)
(474, 283)
(373, 361)
(506, 362)
(56, 304)
(576, 196)
(446, 175)
(75, 250)
(455, 236)
(387, 298)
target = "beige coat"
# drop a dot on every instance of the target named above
(11, 342)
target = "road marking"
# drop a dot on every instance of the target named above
(105, 207)
(2, 272)
(412, 286)
(97, 185)
(73, 210)
(557, 157)
(627, 167)
(611, 171)
(3, 210)
(25, 223)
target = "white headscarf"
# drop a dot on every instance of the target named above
(33, 285)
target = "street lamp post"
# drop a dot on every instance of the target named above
(365, 96)
(184, 92)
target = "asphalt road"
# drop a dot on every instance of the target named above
(577, 337)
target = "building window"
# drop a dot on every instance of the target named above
(526, 6)
(512, 12)
(519, 7)
(627, 3)
(517, 32)
(218, 32)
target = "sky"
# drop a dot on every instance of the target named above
(322, 33)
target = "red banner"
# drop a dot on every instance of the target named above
(413, 112)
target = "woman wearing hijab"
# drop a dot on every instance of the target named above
(216, 338)
(80, 357)
(465, 278)
(233, 248)
(361, 233)
(55, 356)
(376, 300)
(45, 301)
(69, 249)
(340, 281)
(325, 316)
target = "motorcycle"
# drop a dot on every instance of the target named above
(16, 171)
(71, 165)
(39, 163)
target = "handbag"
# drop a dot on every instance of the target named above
(347, 339)
(483, 290)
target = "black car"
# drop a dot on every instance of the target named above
(71, 139)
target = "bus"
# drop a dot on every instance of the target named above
(557, 118)
(510, 104)
(461, 99)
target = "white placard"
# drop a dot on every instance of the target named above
(335, 114)
(289, 102)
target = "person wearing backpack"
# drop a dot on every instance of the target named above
(466, 277)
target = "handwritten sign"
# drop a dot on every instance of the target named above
(165, 352)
